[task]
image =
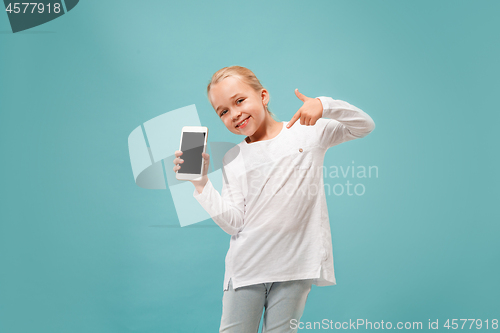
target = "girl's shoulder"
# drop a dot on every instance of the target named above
(306, 135)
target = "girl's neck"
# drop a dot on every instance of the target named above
(269, 129)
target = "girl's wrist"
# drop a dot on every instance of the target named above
(200, 185)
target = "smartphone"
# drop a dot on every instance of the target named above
(193, 144)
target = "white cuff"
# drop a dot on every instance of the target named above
(204, 193)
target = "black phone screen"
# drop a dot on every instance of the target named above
(192, 147)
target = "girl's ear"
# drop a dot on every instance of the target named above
(265, 96)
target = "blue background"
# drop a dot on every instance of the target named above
(84, 249)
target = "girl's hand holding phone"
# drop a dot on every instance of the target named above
(308, 113)
(199, 184)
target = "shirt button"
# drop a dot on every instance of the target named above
(300, 149)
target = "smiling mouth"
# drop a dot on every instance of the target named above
(244, 121)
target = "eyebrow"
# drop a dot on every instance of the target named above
(217, 110)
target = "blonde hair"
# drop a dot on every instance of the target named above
(244, 74)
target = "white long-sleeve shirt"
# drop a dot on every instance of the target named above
(273, 200)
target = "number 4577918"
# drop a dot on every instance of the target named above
(17, 7)
(454, 324)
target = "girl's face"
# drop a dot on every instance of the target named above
(235, 101)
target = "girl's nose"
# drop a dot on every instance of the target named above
(236, 114)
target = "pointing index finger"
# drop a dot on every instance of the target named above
(301, 96)
(293, 120)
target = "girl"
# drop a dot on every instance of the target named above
(273, 201)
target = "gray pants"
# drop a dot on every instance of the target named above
(283, 301)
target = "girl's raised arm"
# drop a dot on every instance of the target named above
(226, 209)
(345, 122)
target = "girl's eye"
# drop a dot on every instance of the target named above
(240, 100)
